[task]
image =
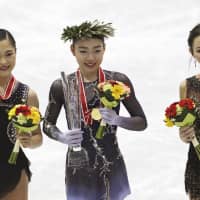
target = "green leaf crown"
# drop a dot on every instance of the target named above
(86, 30)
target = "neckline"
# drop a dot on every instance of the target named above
(91, 82)
(86, 113)
(9, 89)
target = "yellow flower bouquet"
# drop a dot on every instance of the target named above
(111, 92)
(25, 119)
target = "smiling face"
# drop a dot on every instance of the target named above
(196, 48)
(7, 58)
(89, 55)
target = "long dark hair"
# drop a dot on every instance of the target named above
(195, 32)
(4, 34)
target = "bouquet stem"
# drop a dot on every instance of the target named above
(100, 131)
(196, 145)
(13, 157)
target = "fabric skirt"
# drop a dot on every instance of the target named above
(10, 176)
(90, 184)
(192, 174)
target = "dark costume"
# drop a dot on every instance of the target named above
(192, 173)
(10, 174)
(105, 176)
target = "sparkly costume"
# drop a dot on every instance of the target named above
(10, 174)
(192, 173)
(105, 177)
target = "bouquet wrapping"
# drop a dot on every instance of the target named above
(111, 92)
(183, 113)
(25, 119)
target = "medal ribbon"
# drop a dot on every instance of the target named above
(85, 111)
(9, 89)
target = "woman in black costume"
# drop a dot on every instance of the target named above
(13, 178)
(191, 88)
(104, 177)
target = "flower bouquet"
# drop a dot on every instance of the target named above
(111, 92)
(25, 119)
(183, 113)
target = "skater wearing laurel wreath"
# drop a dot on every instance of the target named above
(101, 175)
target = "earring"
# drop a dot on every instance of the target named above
(195, 63)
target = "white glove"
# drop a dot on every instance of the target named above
(109, 116)
(73, 138)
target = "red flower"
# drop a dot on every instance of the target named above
(24, 109)
(171, 110)
(187, 103)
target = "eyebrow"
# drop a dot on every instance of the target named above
(98, 46)
(95, 47)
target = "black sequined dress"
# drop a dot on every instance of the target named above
(192, 172)
(105, 178)
(10, 174)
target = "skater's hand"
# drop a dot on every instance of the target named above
(186, 133)
(72, 138)
(25, 139)
(109, 116)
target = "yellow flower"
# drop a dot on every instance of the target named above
(35, 116)
(96, 115)
(34, 109)
(11, 113)
(168, 122)
(117, 91)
